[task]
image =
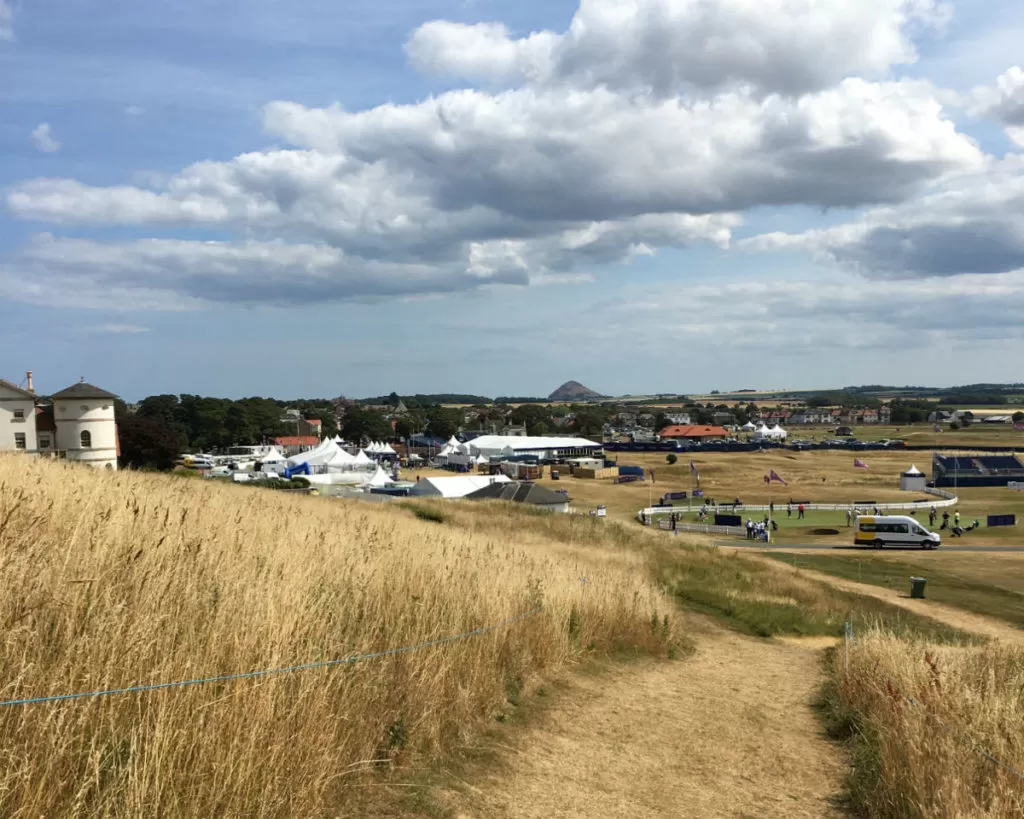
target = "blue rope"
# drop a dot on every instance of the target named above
(247, 674)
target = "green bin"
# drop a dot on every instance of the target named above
(917, 585)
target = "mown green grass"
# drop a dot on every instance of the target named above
(943, 586)
(754, 598)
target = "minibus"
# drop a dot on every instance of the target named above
(892, 530)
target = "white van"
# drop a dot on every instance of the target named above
(892, 530)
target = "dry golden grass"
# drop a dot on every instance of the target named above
(115, 580)
(924, 760)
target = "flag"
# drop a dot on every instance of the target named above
(775, 476)
(859, 464)
(694, 472)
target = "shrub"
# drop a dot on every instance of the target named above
(671, 458)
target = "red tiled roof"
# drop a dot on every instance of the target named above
(693, 431)
(297, 440)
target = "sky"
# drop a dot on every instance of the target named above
(345, 197)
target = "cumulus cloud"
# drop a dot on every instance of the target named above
(42, 138)
(971, 224)
(134, 110)
(647, 124)
(1004, 102)
(669, 46)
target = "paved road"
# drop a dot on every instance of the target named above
(742, 544)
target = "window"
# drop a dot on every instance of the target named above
(86, 437)
(19, 416)
(84, 408)
(19, 440)
(44, 441)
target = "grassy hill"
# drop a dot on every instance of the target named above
(114, 580)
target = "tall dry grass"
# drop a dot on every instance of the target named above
(118, 579)
(924, 759)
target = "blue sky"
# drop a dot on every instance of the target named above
(239, 198)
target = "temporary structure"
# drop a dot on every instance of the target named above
(379, 478)
(454, 487)
(749, 427)
(362, 458)
(913, 480)
(778, 433)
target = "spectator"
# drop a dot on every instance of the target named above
(849, 518)
(800, 512)
(945, 520)
(932, 514)
(789, 509)
(956, 518)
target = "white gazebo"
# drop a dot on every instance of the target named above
(777, 433)
(913, 480)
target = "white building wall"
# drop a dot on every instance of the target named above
(11, 404)
(73, 416)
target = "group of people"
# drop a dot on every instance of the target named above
(758, 530)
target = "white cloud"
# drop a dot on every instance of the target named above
(830, 313)
(648, 124)
(119, 329)
(135, 110)
(42, 138)
(670, 46)
(1004, 102)
(6, 20)
(969, 224)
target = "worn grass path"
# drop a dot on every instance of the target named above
(979, 624)
(727, 732)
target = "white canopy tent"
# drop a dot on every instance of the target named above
(379, 478)
(272, 455)
(320, 454)
(749, 427)
(362, 458)
(778, 433)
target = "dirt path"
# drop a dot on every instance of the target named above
(950, 615)
(727, 732)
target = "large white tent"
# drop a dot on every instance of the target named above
(362, 458)
(455, 487)
(762, 432)
(778, 433)
(272, 455)
(320, 454)
(749, 427)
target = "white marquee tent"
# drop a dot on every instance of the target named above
(455, 487)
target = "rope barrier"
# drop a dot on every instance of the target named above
(134, 689)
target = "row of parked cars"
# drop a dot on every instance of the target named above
(750, 446)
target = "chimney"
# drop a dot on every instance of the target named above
(28, 381)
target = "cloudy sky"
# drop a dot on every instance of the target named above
(240, 197)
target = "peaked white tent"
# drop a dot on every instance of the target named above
(362, 458)
(341, 458)
(272, 456)
(778, 433)
(320, 454)
(379, 478)
(762, 432)
(749, 427)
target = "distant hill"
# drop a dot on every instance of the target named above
(574, 391)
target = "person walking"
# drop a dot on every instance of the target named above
(945, 520)
(789, 510)
(956, 518)
(849, 518)
(932, 514)
(800, 512)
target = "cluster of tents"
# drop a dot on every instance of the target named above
(764, 433)
(328, 463)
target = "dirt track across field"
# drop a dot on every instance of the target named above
(727, 732)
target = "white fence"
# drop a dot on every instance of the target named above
(646, 516)
(704, 528)
(1015, 485)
